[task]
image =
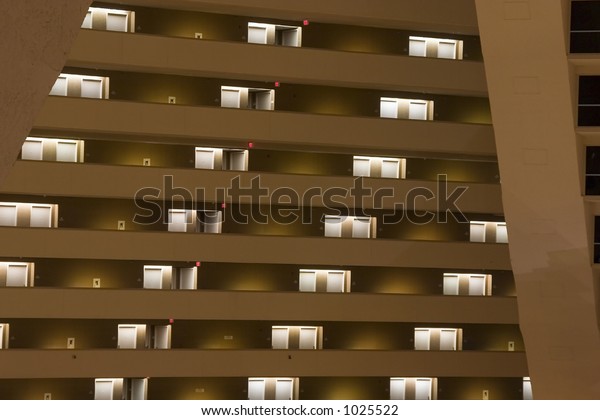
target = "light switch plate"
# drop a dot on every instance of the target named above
(511, 346)
(121, 225)
(47, 396)
(70, 343)
(172, 99)
(96, 283)
(147, 161)
(198, 35)
(485, 395)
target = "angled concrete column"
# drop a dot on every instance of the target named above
(36, 37)
(533, 101)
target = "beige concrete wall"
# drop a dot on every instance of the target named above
(268, 129)
(163, 246)
(66, 179)
(207, 363)
(148, 53)
(224, 305)
(457, 16)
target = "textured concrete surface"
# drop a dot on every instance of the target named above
(529, 78)
(36, 38)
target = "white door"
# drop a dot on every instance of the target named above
(153, 277)
(422, 336)
(284, 389)
(139, 389)
(104, 389)
(447, 339)
(333, 226)
(256, 389)
(265, 99)
(8, 215)
(3, 336)
(423, 389)
(451, 284)
(361, 227)
(388, 108)
(230, 98)
(238, 160)
(417, 110)
(205, 158)
(60, 86)
(162, 337)
(177, 220)
(66, 151)
(417, 47)
(308, 281)
(280, 337)
(41, 216)
(16, 275)
(87, 20)
(390, 168)
(447, 49)
(117, 22)
(212, 221)
(308, 338)
(402, 168)
(127, 336)
(527, 389)
(33, 149)
(188, 278)
(291, 37)
(361, 166)
(501, 233)
(397, 388)
(477, 285)
(477, 232)
(257, 33)
(336, 281)
(91, 88)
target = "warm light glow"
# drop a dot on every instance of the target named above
(270, 377)
(99, 78)
(295, 326)
(108, 10)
